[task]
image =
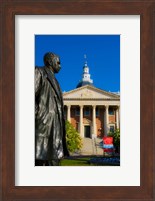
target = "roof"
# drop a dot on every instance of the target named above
(88, 91)
(83, 83)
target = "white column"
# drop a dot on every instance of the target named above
(106, 125)
(94, 120)
(69, 113)
(117, 117)
(81, 121)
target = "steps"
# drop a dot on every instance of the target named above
(91, 147)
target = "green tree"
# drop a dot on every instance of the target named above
(116, 137)
(73, 139)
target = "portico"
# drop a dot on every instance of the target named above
(90, 109)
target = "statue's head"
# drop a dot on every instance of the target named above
(52, 61)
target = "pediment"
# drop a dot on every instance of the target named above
(89, 92)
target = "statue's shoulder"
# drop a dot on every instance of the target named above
(40, 70)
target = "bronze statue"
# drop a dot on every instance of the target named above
(50, 135)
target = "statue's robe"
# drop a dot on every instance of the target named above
(50, 135)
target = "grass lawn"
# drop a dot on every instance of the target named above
(79, 161)
(83, 161)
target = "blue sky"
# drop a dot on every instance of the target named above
(103, 58)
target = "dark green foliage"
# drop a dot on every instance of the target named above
(116, 136)
(74, 141)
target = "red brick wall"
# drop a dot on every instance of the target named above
(111, 118)
(74, 119)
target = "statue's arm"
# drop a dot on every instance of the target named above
(37, 81)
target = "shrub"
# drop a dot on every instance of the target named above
(73, 139)
(116, 137)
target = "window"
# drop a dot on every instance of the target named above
(77, 111)
(86, 111)
(111, 111)
(112, 128)
(97, 111)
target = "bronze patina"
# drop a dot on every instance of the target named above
(50, 134)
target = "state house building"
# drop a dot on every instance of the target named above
(92, 111)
